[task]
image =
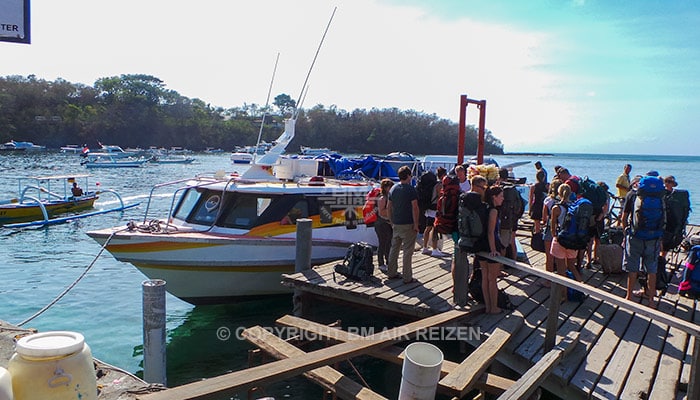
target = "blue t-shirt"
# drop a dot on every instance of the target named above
(401, 196)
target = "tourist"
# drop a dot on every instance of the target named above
(430, 236)
(403, 214)
(571, 180)
(464, 184)
(382, 227)
(538, 192)
(547, 206)
(538, 167)
(564, 259)
(491, 270)
(670, 183)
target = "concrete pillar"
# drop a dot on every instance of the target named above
(154, 370)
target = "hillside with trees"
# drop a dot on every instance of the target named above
(139, 111)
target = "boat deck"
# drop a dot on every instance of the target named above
(620, 354)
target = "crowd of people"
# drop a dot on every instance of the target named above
(550, 209)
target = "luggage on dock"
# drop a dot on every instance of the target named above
(610, 256)
(613, 235)
(357, 264)
(477, 293)
(677, 211)
(574, 294)
(690, 284)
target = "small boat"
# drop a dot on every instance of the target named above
(212, 150)
(39, 203)
(13, 145)
(241, 158)
(314, 151)
(172, 159)
(71, 148)
(110, 150)
(111, 162)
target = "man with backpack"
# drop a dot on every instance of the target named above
(643, 219)
(471, 226)
(428, 194)
(512, 210)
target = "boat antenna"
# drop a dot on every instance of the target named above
(267, 103)
(306, 81)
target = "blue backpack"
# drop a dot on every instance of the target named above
(690, 284)
(574, 232)
(649, 215)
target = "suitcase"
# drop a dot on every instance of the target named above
(610, 256)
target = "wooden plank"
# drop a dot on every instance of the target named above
(277, 370)
(461, 380)
(533, 378)
(488, 382)
(342, 386)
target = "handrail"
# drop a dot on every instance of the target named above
(657, 316)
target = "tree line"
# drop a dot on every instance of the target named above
(139, 111)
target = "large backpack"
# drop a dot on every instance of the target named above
(677, 211)
(690, 284)
(424, 187)
(369, 210)
(357, 264)
(593, 192)
(649, 215)
(472, 222)
(448, 205)
(574, 233)
(512, 208)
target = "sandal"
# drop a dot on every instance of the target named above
(413, 280)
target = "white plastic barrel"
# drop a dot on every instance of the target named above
(5, 384)
(53, 365)
(420, 374)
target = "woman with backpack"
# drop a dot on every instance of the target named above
(564, 259)
(538, 192)
(547, 205)
(491, 270)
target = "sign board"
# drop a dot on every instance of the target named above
(14, 21)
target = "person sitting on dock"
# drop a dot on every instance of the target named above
(76, 190)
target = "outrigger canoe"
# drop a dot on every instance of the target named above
(39, 204)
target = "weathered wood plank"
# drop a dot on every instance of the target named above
(342, 386)
(229, 383)
(462, 379)
(533, 378)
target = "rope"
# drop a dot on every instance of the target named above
(72, 285)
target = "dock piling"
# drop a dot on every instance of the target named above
(154, 331)
(303, 259)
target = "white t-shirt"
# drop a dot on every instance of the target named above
(465, 186)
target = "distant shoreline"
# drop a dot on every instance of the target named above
(529, 154)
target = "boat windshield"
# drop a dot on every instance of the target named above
(241, 210)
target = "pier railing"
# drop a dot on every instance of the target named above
(559, 282)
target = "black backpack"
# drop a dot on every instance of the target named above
(424, 187)
(477, 293)
(512, 208)
(472, 223)
(677, 211)
(357, 264)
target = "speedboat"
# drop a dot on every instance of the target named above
(241, 158)
(313, 151)
(172, 159)
(112, 151)
(227, 237)
(40, 202)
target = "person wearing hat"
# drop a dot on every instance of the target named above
(670, 183)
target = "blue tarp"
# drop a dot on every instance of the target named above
(346, 168)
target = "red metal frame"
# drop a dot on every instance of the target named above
(481, 104)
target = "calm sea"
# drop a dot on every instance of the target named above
(38, 264)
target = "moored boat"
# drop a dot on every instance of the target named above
(40, 202)
(111, 162)
(230, 236)
(172, 159)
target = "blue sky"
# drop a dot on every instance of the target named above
(558, 76)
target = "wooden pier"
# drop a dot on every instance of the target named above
(622, 349)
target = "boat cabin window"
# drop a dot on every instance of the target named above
(187, 203)
(244, 210)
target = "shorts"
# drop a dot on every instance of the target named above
(429, 221)
(547, 233)
(561, 252)
(644, 251)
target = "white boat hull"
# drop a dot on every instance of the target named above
(203, 268)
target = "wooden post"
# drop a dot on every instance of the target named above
(302, 261)
(550, 334)
(460, 278)
(154, 370)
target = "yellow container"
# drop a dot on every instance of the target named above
(5, 385)
(53, 365)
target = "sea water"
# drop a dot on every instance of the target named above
(38, 264)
